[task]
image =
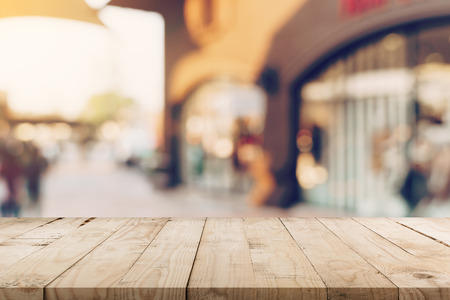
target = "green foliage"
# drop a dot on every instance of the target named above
(104, 107)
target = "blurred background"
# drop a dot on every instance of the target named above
(225, 108)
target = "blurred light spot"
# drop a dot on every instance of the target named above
(305, 160)
(110, 131)
(194, 125)
(223, 148)
(392, 42)
(321, 174)
(25, 132)
(434, 57)
(256, 124)
(306, 177)
(305, 132)
(308, 173)
(319, 91)
(225, 123)
(304, 143)
(43, 133)
(209, 140)
(248, 153)
(61, 131)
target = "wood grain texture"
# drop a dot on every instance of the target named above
(55, 229)
(425, 248)
(224, 258)
(414, 278)
(12, 227)
(163, 269)
(99, 272)
(19, 247)
(223, 267)
(346, 274)
(27, 279)
(282, 271)
(436, 228)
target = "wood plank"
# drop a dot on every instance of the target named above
(15, 226)
(291, 258)
(223, 267)
(281, 269)
(421, 246)
(55, 229)
(27, 279)
(346, 274)
(19, 247)
(162, 271)
(6, 220)
(436, 228)
(402, 268)
(99, 272)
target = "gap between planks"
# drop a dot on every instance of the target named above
(348, 276)
(247, 241)
(399, 221)
(195, 258)
(88, 220)
(43, 266)
(413, 276)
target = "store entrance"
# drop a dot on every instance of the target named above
(374, 125)
(221, 135)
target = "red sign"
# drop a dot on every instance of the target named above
(359, 7)
(352, 8)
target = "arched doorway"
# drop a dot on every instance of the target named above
(222, 123)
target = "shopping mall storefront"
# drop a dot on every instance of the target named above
(365, 105)
(221, 127)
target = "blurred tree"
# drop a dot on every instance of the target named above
(108, 106)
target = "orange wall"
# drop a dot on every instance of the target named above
(235, 43)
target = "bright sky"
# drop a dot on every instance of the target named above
(55, 66)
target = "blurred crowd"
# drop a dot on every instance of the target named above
(21, 168)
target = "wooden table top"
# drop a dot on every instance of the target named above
(224, 258)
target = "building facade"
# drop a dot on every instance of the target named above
(355, 95)
(324, 101)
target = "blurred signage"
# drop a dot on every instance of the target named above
(353, 8)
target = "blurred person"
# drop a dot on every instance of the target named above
(439, 181)
(34, 169)
(264, 182)
(243, 140)
(11, 171)
(415, 186)
(317, 142)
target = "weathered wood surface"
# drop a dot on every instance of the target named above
(225, 258)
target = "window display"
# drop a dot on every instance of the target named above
(375, 127)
